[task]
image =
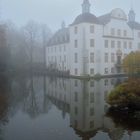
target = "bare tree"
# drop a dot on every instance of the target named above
(30, 32)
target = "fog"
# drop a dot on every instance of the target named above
(53, 12)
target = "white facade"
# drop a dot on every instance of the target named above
(94, 45)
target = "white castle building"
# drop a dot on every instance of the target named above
(94, 45)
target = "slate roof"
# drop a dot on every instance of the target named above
(104, 19)
(60, 37)
(86, 17)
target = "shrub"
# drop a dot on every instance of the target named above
(126, 94)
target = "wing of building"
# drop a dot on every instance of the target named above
(94, 45)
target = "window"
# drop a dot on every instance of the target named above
(106, 82)
(106, 70)
(112, 44)
(91, 42)
(139, 45)
(64, 58)
(91, 124)
(106, 43)
(92, 29)
(119, 32)
(112, 70)
(91, 83)
(106, 57)
(125, 44)
(75, 57)
(112, 57)
(75, 30)
(60, 59)
(125, 33)
(76, 83)
(75, 124)
(76, 110)
(60, 48)
(64, 48)
(91, 57)
(112, 81)
(91, 111)
(92, 71)
(138, 34)
(75, 43)
(76, 71)
(106, 95)
(55, 60)
(130, 45)
(112, 31)
(75, 96)
(119, 44)
(91, 97)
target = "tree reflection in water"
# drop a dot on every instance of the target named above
(4, 91)
(128, 120)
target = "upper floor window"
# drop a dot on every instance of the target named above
(112, 44)
(75, 57)
(119, 32)
(119, 44)
(112, 31)
(91, 57)
(125, 44)
(75, 43)
(106, 43)
(76, 30)
(125, 33)
(92, 42)
(92, 29)
(92, 97)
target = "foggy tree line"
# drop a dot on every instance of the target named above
(22, 48)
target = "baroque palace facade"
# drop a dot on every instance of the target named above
(94, 45)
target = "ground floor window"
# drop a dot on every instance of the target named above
(92, 71)
(106, 70)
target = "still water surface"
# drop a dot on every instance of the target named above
(42, 108)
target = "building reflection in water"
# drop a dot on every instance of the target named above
(85, 101)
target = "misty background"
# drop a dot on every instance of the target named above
(53, 12)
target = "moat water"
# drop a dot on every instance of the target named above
(43, 108)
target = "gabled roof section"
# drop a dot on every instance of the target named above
(104, 19)
(60, 37)
(117, 13)
(134, 25)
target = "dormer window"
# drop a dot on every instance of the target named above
(92, 29)
(76, 30)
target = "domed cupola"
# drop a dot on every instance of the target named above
(131, 15)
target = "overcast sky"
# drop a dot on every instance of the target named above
(53, 12)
